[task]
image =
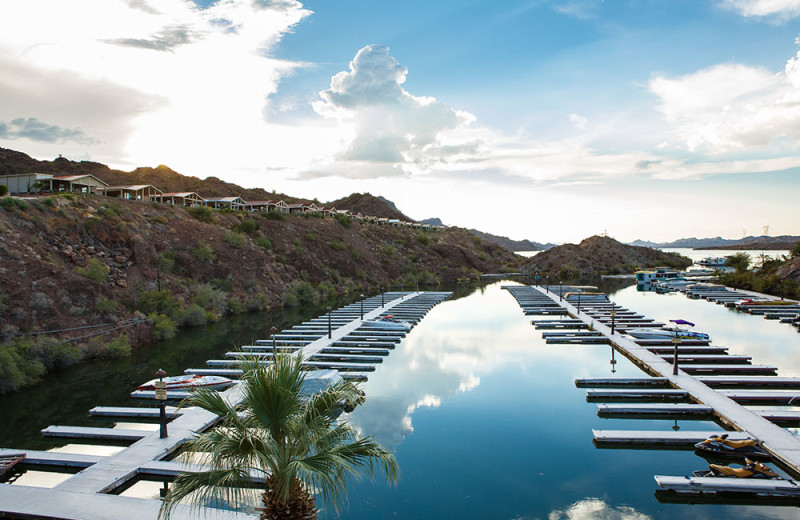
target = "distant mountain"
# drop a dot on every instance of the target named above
(511, 245)
(751, 242)
(600, 255)
(367, 204)
(432, 221)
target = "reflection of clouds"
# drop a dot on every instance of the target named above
(596, 509)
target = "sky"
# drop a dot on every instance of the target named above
(547, 120)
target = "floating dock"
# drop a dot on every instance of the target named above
(350, 344)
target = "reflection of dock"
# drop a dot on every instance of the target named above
(340, 340)
(704, 370)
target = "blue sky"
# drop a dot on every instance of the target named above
(547, 120)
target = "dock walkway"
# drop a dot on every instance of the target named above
(89, 494)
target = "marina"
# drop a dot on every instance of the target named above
(90, 494)
(723, 406)
(478, 356)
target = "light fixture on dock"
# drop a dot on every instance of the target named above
(329, 322)
(560, 287)
(161, 396)
(613, 316)
(675, 341)
(273, 330)
(382, 293)
(579, 300)
(362, 306)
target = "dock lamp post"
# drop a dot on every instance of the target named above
(560, 287)
(161, 396)
(273, 330)
(613, 316)
(675, 341)
(382, 293)
(579, 300)
(329, 322)
(547, 283)
(402, 291)
(362, 307)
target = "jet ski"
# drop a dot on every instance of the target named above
(750, 469)
(718, 445)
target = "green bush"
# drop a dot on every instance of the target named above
(297, 244)
(53, 353)
(264, 243)
(248, 226)
(202, 213)
(204, 253)
(95, 270)
(50, 202)
(3, 190)
(311, 236)
(344, 220)
(16, 368)
(336, 245)
(156, 302)
(235, 239)
(210, 299)
(795, 252)
(299, 292)
(739, 261)
(9, 203)
(274, 215)
(104, 305)
(423, 239)
(388, 250)
(327, 291)
(192, 316)
(569, 273)
(161, 326)
(116, 348)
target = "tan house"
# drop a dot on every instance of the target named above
(143, 192)
(234, 203)
(81, 183)
(185, 198)
(277, 205)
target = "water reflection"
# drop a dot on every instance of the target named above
(596, 509)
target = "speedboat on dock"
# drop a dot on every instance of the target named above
(189, 382)
(388, 322)
(667, 333)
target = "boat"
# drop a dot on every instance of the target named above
(189, 382)
(750, 469)
(668, 333)
(770, 303)
(720, 446)
(713, 261)
(388, 322)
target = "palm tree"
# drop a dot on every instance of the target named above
(278, 431)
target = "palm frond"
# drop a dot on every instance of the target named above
(231, 487)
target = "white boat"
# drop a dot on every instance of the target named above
(668, 333)
(388, 322)
(190, 382)
(713, 261)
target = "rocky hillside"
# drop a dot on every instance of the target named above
(367, 204)
(600, 255)
(511, 245)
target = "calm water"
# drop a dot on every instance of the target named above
(483, 416)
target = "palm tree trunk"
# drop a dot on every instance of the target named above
(301, 504)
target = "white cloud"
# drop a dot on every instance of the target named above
(579, 121)
(383, 123)
(596, 509)
(781, 9)
(731, 108)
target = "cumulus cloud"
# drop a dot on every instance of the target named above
(731, 107)
(35, 130)
(384, 122)
(780, 9)
(596, 509)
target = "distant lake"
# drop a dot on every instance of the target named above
(699, 254)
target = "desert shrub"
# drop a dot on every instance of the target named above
(739, 261)
(423, 239)
(3, 190)
(297, 244)
(248, 226)
(355, 253)
(94, 270)
(161, 326)
(203, 252)
(274, 215)
(192, 316)
(53, 353)
(156, 302)
(16, 368)
(795, 252)
(202, 213)
(235, 239)
(223, 284)
(299, 292)
(344, 220)
(9, 203)
(236, 306)
(327, 291)
(211, 299)
(116, 348)
(264, 243)
(388, 250)
(360, 274)
(336, 245)
(105, 305)
(50, 202)
(165, 262)
(311, 236)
